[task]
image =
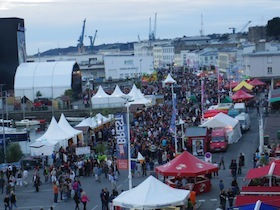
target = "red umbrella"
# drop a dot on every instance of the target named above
(231, 85)
(256, 82)
(241, 95)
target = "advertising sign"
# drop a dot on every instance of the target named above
(122, 141)
(198, 147)
(82, 150)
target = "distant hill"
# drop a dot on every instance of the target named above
(70, 50)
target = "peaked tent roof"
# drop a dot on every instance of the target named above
(240, 94)
(169, 80)
(232, 84)
(246, 200)
(256, 82)
(243, 84)
(88, 122)
(222, 120)
(226, 100)
(100, 93)
(146, 196)
(101, 119)
(117, 92)
(186, 165)
(66, 127)
(54, 133)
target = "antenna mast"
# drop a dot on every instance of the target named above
(201, 26)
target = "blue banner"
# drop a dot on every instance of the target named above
(172, 128)
(122, 141)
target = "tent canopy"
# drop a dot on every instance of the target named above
(151, 194)
(231, 85)
(244, 200)
(256, 82)
(275, 95)
(259, 205)
(270, 170)
(243, 84)
(186, 165)
(169, 80)
(226, 100)
(241, 95)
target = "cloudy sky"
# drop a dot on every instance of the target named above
(58, 23)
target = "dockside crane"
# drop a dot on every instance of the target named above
(80, 45)
(241, 30)
(92, 40)
(152, 34)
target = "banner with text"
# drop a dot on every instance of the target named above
(122, 140)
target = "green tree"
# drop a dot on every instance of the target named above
(14, 152)
(69, 93)
(273, 28)
(38, 94)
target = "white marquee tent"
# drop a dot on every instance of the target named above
(168, 80)
(43, 147)
(151, 194)
(223, 120)
(50, 78)
(55, 134)
(67, 128)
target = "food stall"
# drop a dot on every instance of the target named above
(186, 166)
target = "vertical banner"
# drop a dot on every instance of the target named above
(122, 141)
(202, 100)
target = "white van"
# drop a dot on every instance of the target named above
(244, 121)
(240, 106)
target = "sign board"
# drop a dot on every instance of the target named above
(82, 150)
(208, 157)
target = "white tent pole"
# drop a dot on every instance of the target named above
(258, 205)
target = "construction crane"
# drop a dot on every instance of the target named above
(81, 39)
(92, 40)
(152, 34)
(241, 30)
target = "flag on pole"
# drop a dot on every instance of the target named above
(172, 128)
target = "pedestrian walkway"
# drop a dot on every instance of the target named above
(271, 127)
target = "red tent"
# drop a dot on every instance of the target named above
(231, 85)
(186, 165)
(256, 82)
(248, 199)
(214, 112)
(241, 95)
(278, 84)
(270, 170)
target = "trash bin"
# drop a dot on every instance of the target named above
(266, 139)
(278, 134)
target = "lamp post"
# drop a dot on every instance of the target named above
(3, 124)
(128, 146)
(141, 74)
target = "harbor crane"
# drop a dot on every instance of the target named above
(241, 30)
(152, 34)
(80, 46)
(92, 40)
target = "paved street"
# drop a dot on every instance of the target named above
(29, 199)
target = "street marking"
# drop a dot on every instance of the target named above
(201, 200)
(44, 190)
(214, 199)
(94, 207)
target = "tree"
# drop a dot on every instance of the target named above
(273, 28)
(38, 94)
(69, 93)
(14, 152)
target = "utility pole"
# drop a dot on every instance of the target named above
(3, 125)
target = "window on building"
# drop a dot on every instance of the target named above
(269, 70)
(269, 59)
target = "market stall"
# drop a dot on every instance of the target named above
(186, 166)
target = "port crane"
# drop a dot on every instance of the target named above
(80, 46)
(152, 34)
(241, 30)
(92, 40)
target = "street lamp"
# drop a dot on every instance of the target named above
(141, 74)
(128, 148)
(3, 125)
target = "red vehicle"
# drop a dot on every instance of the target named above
(219, 140)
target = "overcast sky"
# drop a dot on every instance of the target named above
(58, 23)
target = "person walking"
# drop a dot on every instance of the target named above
(221, 185)
(223, 199)
(37, 182)
(55, 192)
(241, 162)
(233, 168)
(7, 202)
(13, 200)
(77, 200)
(230, 195)
(222, 162)
(84, 199)
(216, 174)
(104, 199)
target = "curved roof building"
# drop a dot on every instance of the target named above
(51, 79)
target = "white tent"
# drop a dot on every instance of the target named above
(88, 122)
(137, 97)
(55, 134)
(101, 119)
(223, 120)
(100, 99)
(43, 147)
(168, 80)
(151, 194)
(66, 127)
(117, 98)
